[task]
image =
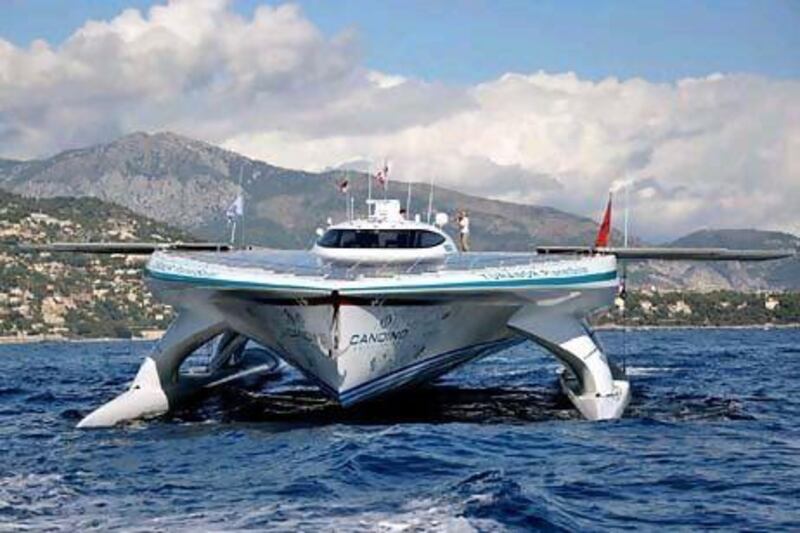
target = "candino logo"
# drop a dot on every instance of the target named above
(379, 337)
(387, 321)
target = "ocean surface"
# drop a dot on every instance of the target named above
(710, 441)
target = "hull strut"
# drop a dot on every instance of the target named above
(157, 387)
(594, 385)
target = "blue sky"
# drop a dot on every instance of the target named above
(476, 40)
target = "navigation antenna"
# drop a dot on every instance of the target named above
(369, 191)
(430, 202)
(408, 201)
(385, 171)
(241, 191)
(349, 199)
(627, 200)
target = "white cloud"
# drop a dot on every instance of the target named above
(719, 151)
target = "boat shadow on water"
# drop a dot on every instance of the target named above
(439, 403)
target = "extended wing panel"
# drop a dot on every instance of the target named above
(672, 254)
(129, 248)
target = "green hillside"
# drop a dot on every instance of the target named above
(74, 294)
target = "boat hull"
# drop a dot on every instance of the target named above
(363, 337)
(363, 334)
(356, 349)
(356, 352)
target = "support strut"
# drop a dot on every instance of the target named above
(156, 386)
(596, 387)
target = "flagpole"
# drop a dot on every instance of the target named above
(241, 191)
(243, 242)
(408, 201)
(430, 201)
(369, 190)
(346, 184)
(627, 199)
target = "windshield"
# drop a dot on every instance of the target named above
(404, 238)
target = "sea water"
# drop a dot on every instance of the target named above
(711, 440)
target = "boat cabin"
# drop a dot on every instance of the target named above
(385, 236)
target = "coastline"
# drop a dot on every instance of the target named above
(41, 339)
(766, 326)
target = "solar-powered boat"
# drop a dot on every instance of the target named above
(378, 305)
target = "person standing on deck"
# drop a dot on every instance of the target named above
(463, 231)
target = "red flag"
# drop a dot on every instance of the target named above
(605, 227)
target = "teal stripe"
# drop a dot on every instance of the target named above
(227, 284)
(505, 283)
(487, 284)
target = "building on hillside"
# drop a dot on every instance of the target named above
(771, 303)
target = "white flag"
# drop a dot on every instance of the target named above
(236, 209)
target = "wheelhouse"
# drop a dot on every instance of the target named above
(385, 236)
(380, 238)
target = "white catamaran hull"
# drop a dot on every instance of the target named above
(380, 304)
(362, 339)
(356, 352)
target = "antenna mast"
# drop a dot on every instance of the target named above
(408, 201)
(627, 201)
(623, 290)
(369, 190)
(385, 171)
(430, 202)
(241, 191)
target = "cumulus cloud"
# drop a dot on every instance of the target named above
(718, 151)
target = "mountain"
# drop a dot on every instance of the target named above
(165, 176)
(7, 164)
(189, 183)
(709, 275)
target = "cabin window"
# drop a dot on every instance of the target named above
(429, 239)
(404, 238)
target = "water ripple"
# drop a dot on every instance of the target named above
(709, 441)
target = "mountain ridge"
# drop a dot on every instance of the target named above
(190, 183)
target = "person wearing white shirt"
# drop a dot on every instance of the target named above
(463, 231)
